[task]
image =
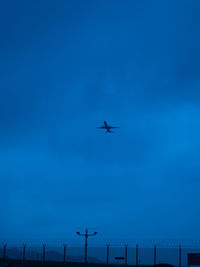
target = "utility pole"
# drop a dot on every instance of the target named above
(108, 246)
(86, 235)
(4, 251)
(180, 256)
(65, 253)
(126, 254)
(155, 255)
(24, 252)
(44, 252)
(137, 255)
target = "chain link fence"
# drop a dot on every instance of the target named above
(129, 255)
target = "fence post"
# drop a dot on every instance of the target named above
(108, 251)
(155, 255)
(24, 252)
(136, 254)
(64, 253)
(180, 256)
(44, 251)
(126, 254)
(4, 251)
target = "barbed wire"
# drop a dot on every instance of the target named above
(75, 242)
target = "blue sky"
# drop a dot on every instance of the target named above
(66, 66)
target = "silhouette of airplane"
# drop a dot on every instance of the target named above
(107, 127)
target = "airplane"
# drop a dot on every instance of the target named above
(107, 127)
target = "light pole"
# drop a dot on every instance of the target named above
(86, 235)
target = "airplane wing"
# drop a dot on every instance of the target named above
(112, 127)
(102, 127)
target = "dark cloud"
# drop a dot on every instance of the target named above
(65, 68)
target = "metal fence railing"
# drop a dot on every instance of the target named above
(130, 255)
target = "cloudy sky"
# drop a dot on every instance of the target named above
(66, 66)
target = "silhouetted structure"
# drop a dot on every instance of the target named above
(86, 235)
